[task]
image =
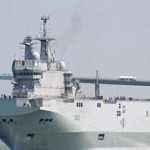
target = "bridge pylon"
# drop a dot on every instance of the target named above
(97, 86)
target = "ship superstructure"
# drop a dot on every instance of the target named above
(47, 110)
(39, 75)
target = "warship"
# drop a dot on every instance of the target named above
(47, 110)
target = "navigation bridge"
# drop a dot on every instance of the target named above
(97, 81)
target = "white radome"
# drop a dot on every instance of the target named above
(62, 65)
(36, 55)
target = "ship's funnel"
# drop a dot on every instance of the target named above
(29, 53)
(28, 46)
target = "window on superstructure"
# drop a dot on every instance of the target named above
(101, 136)
(23, 63)
(77, 104)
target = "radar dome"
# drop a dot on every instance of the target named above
(62, 65)
(35, 55)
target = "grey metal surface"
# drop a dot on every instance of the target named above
(112, 81)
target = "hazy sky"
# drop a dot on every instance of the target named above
(111, 36)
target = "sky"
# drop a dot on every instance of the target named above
(111, 36)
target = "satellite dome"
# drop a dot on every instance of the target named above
(38, 36)
(62, 65)
(35, 55)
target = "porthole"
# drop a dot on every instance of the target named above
(11, 120)
(4, 120)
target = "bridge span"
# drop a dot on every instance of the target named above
(112, 81)
(97, 81)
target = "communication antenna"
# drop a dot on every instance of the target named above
(44, 19)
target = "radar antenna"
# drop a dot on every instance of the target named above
(44, 19)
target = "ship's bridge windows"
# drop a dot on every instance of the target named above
(28, 73)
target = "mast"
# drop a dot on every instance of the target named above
(44, 19)
(45, 52)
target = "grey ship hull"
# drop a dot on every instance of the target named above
(46, 129)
